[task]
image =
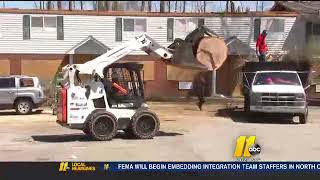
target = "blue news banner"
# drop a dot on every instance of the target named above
(210, 166)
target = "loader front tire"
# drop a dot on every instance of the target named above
(145, 124)
(102, 126)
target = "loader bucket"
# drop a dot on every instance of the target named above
(183, 56)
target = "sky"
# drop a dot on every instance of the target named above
(212, 6)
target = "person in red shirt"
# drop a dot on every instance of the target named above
(261, 46)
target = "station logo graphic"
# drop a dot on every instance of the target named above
(246, 147)
(75, 166)
(63, 166)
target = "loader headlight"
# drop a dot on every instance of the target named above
(144, 105)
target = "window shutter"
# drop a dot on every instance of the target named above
(60, 31)
(118, 29)
(170, 29)
(257, 24)
(26, 27)
(308, 31)
(200, 22)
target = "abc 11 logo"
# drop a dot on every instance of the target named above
(246, 147)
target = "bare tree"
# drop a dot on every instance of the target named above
(204, 6)
(143, 4)
(262, 6)
(257, 2)
(247, 9)
(232, 6)
(227, 6)
(196, 6)
(49, 5)
(3, 4)
(35, 4)
(70, 5)
(175, 6)
(107, 5)
(184, 6)
(241, 5)
(162, 6)
(149, 6)
(115, 6)
(238, 9)
(169, 6)
(59, 5)
(81, 5)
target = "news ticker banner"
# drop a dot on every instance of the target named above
(187, 166)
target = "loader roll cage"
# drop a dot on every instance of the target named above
(128, 77)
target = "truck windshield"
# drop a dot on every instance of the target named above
(277, 78)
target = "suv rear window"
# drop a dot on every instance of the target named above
(26, 82)
(7, 82)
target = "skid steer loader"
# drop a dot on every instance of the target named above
(112, 98)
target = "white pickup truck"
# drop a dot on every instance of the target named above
(276, 91)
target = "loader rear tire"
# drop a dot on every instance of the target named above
(102, 126)
(145, 124)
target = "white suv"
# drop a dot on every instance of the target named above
(22, 93)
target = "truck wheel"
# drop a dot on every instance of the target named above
(145, 124)
(23, 106)
(303, 118)
(102, 126)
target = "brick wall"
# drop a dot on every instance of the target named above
(156, 85)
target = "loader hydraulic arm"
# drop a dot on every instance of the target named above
(97, 65)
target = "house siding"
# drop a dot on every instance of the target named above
(78, 27)
(242, 27)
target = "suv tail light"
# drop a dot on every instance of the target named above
(62, 106)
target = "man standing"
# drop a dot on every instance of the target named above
(261, 46)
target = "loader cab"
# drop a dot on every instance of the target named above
(123, 85)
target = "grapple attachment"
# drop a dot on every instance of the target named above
(183, 55)
(201, 49)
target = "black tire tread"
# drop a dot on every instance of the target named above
(90, 124)
(135, 117)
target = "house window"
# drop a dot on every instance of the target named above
(45, 23)
(43, 27)
(37, 22)
(134, 25)
(182, 27)
(50, 22)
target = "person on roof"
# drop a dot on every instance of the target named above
(261, 46)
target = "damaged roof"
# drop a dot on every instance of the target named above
(305, 7)
(309, 10)
(148, 14)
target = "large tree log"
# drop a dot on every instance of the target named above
(212, 52)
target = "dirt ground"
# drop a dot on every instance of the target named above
(186, 134)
